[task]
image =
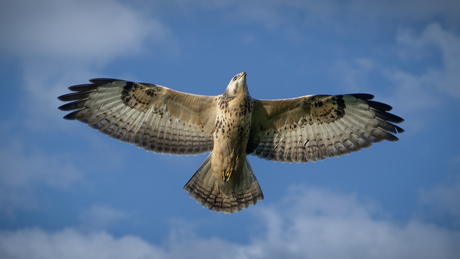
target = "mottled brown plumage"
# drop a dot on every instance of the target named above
(230, 126)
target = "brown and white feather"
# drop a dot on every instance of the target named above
(150, 116)
(230, 126)
(315, 127)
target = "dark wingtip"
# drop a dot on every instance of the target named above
(75, 96)
(82, 87)
(381, 111)
(380, 106)
(80, 96)
(72, 115)
(399, 129)
(363, 96)
(101, 81)
(62, 107)
(73, 105)
(393, 138)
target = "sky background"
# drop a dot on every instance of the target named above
(67, 191)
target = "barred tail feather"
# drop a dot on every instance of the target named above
(215, 194)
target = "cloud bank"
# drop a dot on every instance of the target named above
(307, 223)
(86, 31)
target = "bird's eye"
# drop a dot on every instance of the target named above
(234, 78)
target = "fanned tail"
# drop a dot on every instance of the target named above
(215, 194)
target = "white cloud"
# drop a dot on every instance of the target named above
(434, 85)
(321, 224)
(21, 170)
(412, 91)
(444, 199)
(34, 243)
(355, 74)
(94, 31)
(308, 223)
(100, 217)
(447, 43)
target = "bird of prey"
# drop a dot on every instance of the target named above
(230, 126)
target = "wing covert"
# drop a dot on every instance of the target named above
(314, 127)
(150, 116)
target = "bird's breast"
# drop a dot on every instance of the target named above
(231, 134)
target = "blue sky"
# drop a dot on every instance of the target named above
(67, 191)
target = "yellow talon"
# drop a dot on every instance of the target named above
(226, 175)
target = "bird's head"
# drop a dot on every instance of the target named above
(237, 85)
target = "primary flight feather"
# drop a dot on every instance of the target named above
(230, 126)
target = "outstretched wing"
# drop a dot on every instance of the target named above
(150, 116)
(314, 127)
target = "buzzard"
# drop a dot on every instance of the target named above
(230, 126)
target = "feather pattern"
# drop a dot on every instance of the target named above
(313, 128)
(218, 196)
(230, 126)
(149, 116)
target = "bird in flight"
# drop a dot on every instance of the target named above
(230, 126)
